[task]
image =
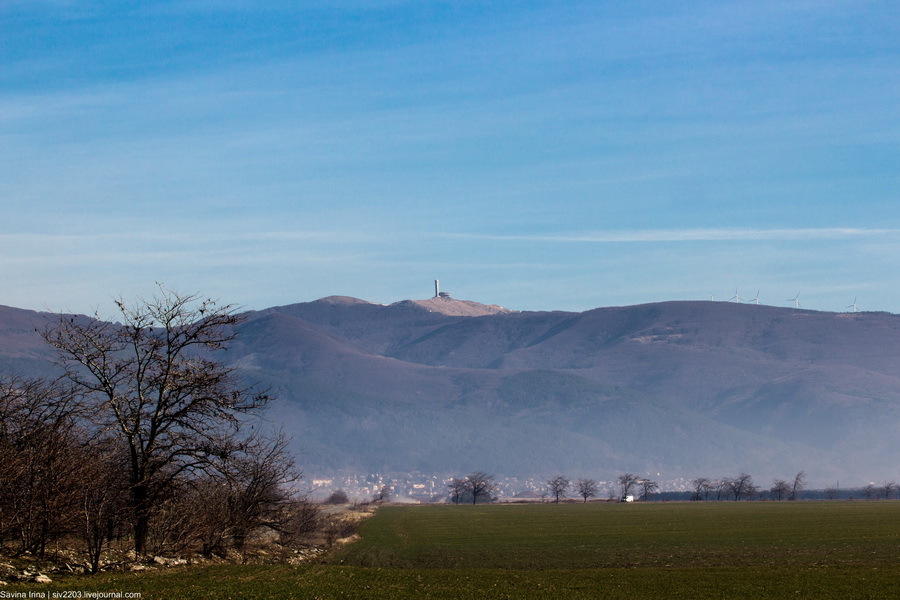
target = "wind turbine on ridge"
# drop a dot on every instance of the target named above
(756, 300)
(795, 300)
(853, 307)
(736, 298)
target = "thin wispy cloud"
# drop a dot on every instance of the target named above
(190, 237)
(343, 237)
(187, 258)
(686, 235)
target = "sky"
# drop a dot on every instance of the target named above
(538, 155)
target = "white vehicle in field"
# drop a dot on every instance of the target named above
(628, 498)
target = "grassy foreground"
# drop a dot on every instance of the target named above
(761, 550)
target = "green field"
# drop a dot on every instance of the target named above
(600, 535)
(818, 550)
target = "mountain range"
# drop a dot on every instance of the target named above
(681, 388)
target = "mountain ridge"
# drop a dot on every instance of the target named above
(681, 387)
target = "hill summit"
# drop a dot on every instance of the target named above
(458, 308)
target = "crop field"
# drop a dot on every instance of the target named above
(743, 550)
(601, 535)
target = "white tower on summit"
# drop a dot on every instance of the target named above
(437, 288)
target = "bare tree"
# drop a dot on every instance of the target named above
(627, 481)
(752, 491)
(102, 496)
(780, 489)
(798, 485)
(558, 487)
(741, 486)
(888, 489)
(647, 487)
(207, 499)
(256, 476)
(702, 487)
(722, 487)
(480, 485)
(148, 380)
(188, 512)
(457, 488)
(304, 519)
(39, 444)
(832, 491)
(383, 494)
(587, 488)
(337, 497)
(870, 492)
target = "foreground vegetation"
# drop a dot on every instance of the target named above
(773, 550)
(140, 442)
(338, 582)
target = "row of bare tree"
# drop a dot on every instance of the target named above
(742, 487)
(628, 482)
(739, 487)
(475, 487)
(480, 487)
(559, 486)
(886, 491)
(141, 439)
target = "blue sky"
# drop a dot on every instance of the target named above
(534, 154)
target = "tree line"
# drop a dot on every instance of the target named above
(473, 488)
(480, 487)
(142, 439)
(742, 487)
